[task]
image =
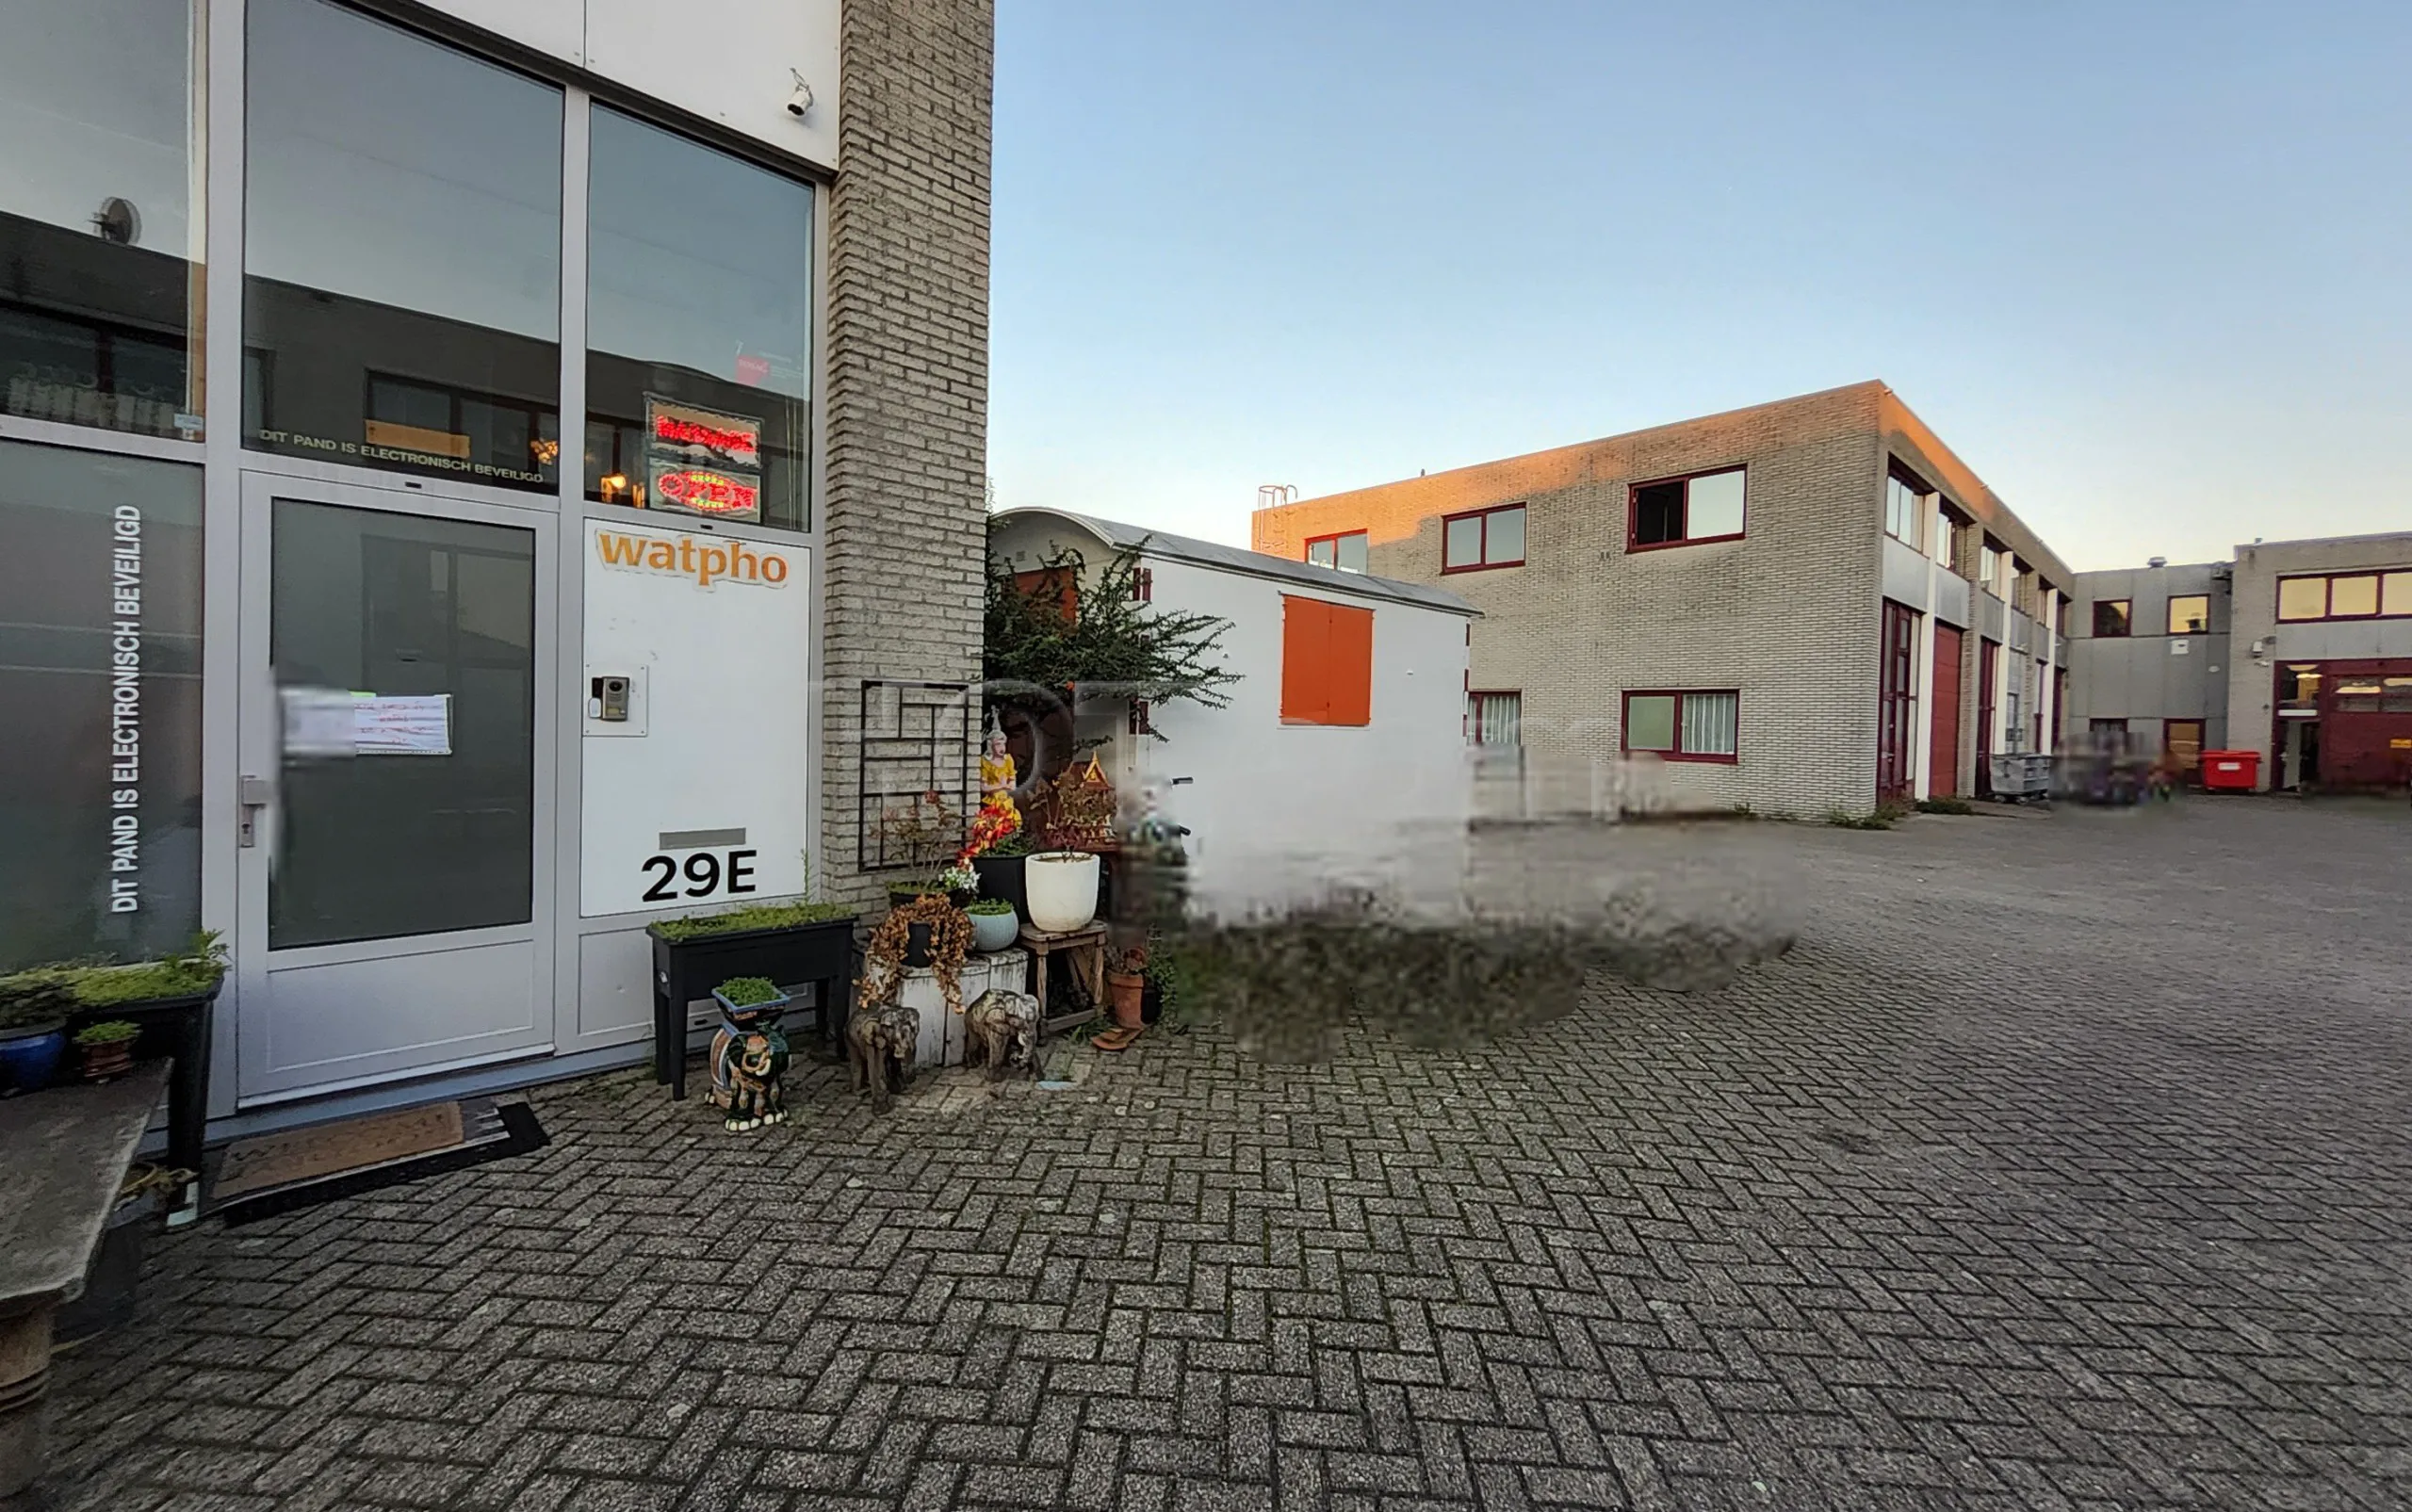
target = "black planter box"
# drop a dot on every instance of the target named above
(790, 955)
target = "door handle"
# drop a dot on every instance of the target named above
(256, 794)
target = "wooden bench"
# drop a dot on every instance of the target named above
(68, 1152)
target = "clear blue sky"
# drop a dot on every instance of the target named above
(2147, 267)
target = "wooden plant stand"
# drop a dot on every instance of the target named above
(1086, 948)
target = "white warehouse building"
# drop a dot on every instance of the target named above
(1341, 757)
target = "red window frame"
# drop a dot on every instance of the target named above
(1633, 510)
(1335, 537)
(2327, 582)
(1625, 725)
(1486, 564)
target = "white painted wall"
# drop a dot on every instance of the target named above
(715, 740)
(726, 60)
(1279, 813)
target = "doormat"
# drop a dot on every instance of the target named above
(272, 1174)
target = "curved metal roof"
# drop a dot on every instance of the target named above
(1123, 537)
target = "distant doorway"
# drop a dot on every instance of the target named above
(2181, 746)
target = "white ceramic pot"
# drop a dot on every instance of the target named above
(1061, 890)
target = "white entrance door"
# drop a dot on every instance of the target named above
(396, 890)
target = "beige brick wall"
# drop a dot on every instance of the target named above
(1789, 615)
(904, 516)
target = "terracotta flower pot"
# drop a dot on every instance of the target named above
(1129, 991)
(103, 1062)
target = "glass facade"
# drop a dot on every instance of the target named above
(100, 214)
(402, 284)
(100, 674)
(699, 329)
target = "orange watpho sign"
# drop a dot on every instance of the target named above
(709, 563)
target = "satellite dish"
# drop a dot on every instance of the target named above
(117, 220)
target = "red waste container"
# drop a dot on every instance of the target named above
(2233, 771)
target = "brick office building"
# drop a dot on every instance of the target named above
(2300, 651)
(462, 467)
(1801, 607)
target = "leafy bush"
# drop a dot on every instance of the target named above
(755, 915)
(988, 906)
(40, 995)
(1018, 843)
(114, 1031)
(1842, 819)
(745, 992)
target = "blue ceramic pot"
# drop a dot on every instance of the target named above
(29, 1061)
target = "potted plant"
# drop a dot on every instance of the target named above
(1126, 985)
(108, 1047)
(995, 923)
(925, 829)
(1000, 870)
(34, 1008)
(928, 932)
(747, 998)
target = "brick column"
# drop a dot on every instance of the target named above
(904, 517)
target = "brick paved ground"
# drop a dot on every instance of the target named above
(2065, 1163)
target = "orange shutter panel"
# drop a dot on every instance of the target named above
(1302, 637)
(1326, 662)
(1348, 650)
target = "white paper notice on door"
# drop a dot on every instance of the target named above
(414, 725)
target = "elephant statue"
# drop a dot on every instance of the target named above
(1000, 1028)
(754, 1068)
(881, 1043)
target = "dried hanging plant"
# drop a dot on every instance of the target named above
(884, 957)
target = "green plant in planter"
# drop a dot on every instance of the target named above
(111, 1032)
(989, 906)
(745, 992)
(1018, 843)
(186, 973)
(755, 916)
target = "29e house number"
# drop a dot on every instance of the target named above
(705, 872)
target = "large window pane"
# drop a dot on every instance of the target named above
(1710, 721)
(1461, 544)
(391, 842)
(2303, 598)
(2397, 597)
(1504, 536)
(1716, 506)
(100, 233)
(402, 251)
(2356, 595)
(699, 318)
(1650, 722)
(100, 681)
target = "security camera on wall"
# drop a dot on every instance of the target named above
(800, 98)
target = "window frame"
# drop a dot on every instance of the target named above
(1624, 725)
(2203, 622)
(2127, 607)
(2327, 582)
(1475, 697)
(1335, 538)
(1633, 542)
(1925, 502)
(1484, 514)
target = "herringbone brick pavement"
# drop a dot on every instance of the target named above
(2065, 1163)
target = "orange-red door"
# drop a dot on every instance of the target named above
(1943, 756)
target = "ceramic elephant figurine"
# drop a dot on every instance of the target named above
(1001, 1027)
(881, 1043)
(755, 1066)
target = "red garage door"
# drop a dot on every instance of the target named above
(1943, 756)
